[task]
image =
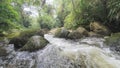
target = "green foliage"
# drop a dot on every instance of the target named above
(8, 16)
(62, 10)
(69, 21)
(46, 21)
(46, 17)
(114, 15)
(85, 11)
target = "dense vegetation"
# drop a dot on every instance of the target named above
(68, 13)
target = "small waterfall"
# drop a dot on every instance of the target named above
(62, 53)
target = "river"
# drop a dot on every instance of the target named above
(64, 53)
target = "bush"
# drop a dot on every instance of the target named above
(8, 16)
(46, 21)
(85, 11)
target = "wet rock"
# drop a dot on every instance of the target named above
(99, 28)
(61, 33)
(93, 34)
(22, 39)
(83, 31)
(3, 51)
(52, 31)
(18, 42)
(114, 42)
(78, 33)
(2, 35)
(34, 43)
(75, 35)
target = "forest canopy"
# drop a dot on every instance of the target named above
(59, 13)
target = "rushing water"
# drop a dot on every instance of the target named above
(62, 53)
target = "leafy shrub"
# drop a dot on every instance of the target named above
(8, 16)
(85, 11)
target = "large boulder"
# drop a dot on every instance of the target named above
(78, 33)
(83, 31)
(34, 43)
(75, 35)
(24, 36)
(114, 42)
(98, 28)
(61, 33)
(19, 42)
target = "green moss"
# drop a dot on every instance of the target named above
(113, 38)
(32, 44)
(115, 35)
(12, 35)
(58, 32)
(43, 42)
(75, 35)
(27, 33)
(21, 38)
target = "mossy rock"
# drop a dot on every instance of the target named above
(34, 43)
(57, 32)
(3, 51)
(53, 31)
(99, 28)
(93, 34)
(61, 33)
(75, 35)
(78, 33)
(115, 34)
(22, 39)
(19, 42)
(113, 41)
(114, 38)
(42, 32)
(83, 31)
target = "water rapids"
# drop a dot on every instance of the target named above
(62, 53)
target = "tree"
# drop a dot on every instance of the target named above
(8, 16)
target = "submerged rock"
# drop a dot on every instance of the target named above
(34, 43)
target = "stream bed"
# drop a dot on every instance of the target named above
(88, 52)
